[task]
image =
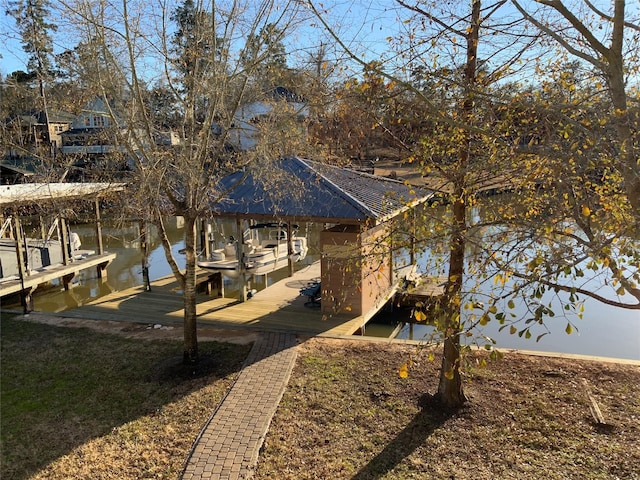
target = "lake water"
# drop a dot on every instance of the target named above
(603, 331)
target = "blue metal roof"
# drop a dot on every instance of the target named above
(309, 190)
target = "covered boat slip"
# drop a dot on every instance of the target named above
(279, 307)
(27, 263)
(357, 272)
(265, 247)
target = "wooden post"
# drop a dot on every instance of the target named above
(412, 251)
(23, 267)
(392, 277)
(144, 247)
(101, 270)
(218, 284)
(240, 256)
(208, 239)
(66, 280)
(64, 240)
(201, 236)
(290, 249)
(43, 230)
(98, 229)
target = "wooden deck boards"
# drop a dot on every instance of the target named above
(279, 307)
(55, 272)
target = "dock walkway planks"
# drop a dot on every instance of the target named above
(279, 308)
(54, 272)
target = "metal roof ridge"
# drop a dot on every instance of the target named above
(344, 194)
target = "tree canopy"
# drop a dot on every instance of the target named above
(506, 107)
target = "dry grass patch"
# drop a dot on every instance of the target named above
(77, 404)
(347, 415)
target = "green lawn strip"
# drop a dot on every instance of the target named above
(76, 403)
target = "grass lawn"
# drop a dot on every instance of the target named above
(77, 404)
(81, 404)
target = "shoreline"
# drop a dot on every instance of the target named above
(139, 330)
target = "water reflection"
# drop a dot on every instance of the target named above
(604, 330)
(125, 271)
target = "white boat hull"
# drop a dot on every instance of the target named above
(262, 259)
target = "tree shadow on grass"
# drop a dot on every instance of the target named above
(62, 387)
(430, 418)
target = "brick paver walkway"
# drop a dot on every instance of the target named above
(228, 446)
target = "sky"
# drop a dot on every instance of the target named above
(364, 24)
(370, 21)
(10, 48)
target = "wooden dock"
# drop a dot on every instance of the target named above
(279, 307)
(54, 272)
(426, 289)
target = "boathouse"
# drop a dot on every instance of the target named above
(27, 263)
(358, 209)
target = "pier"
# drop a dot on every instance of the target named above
(25, 263)
(279, 307)
(64, 273)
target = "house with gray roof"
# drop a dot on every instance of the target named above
(253, 117)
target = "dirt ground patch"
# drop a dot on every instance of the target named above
(347, 415)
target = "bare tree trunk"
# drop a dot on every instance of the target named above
(450, 392)
(615, 75)
(191, 356)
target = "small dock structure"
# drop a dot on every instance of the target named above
(27, 263)
(420, 289)
(360, 212)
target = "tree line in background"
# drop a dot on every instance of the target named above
(540, 98)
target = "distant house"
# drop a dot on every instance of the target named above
(29, 131)
(249, 117)
(59, 122)
(93, 131)
(94, 145)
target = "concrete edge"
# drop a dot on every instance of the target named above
(533, 353)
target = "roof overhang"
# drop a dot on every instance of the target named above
(16, 170)
(305, 190)
(42, 192)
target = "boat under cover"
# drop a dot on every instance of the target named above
(264, 250)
